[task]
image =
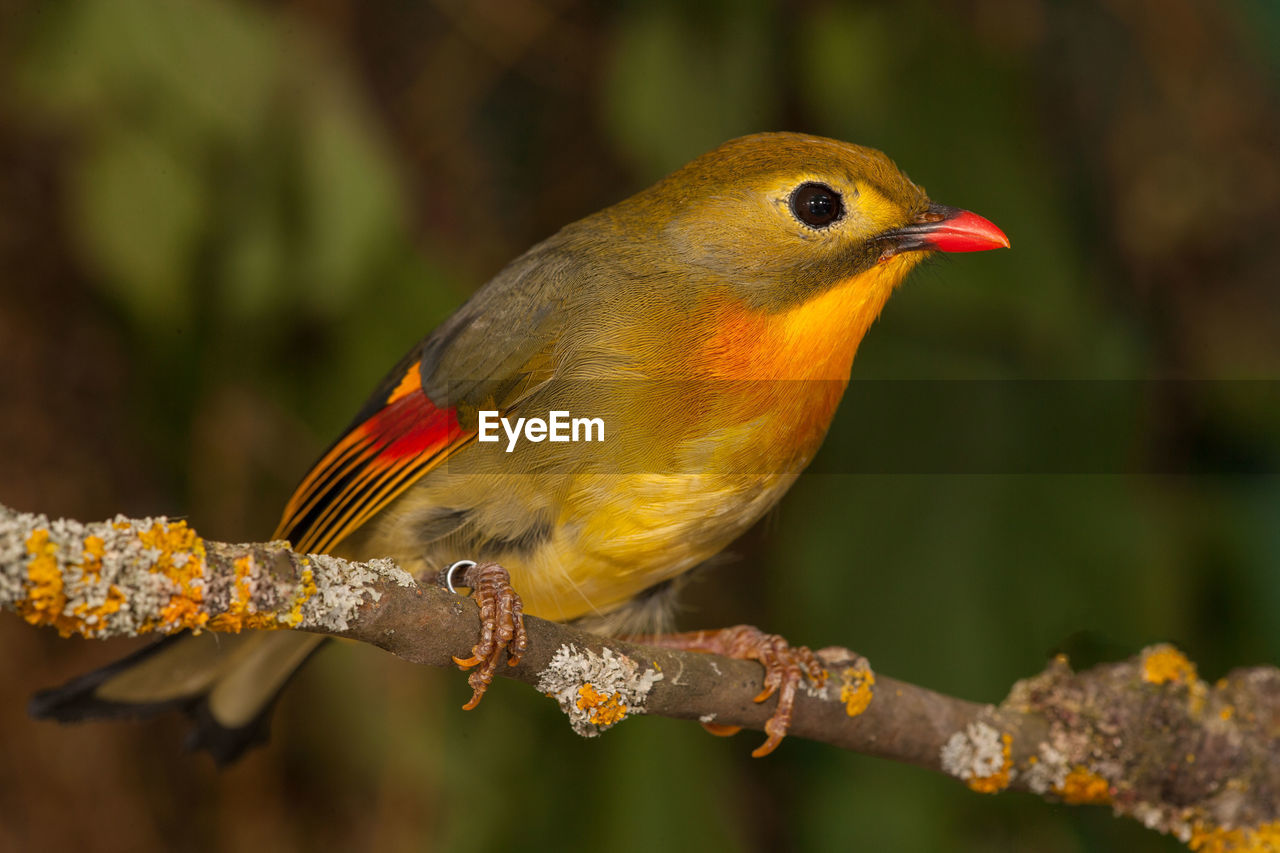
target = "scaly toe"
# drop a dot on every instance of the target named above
(502, 631)
(785, 668)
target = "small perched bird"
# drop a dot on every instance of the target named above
(707, 323)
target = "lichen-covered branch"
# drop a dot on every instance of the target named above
(1145, 736)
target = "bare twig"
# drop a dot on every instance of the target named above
(1146, 735)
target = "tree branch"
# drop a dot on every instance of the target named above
(1146, 735)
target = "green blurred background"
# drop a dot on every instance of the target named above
(220, 222)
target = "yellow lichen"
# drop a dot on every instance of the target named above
(45, 598)
(115, 598)
(605, 709)
(182, 613)
(240, 613)
(294, 619)
(1084, 787)
(999, 780)
(856, 689)
(179, 557)
(1213, 839)
(1162, 664)
(94, 551)
(1227, 712)
(91, 619)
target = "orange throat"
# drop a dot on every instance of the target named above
(813, 341)
(782, 374)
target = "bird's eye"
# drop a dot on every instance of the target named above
(816, 205)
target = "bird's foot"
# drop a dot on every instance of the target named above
(785, 666)
(501, 623)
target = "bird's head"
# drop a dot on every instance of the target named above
(785, 246)
(779, 218)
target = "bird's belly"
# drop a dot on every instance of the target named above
(622, 534)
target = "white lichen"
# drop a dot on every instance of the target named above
(814, 691)
(1049, 772)
(613, 675)
(14, 530)
(975, 753)
(342, 587)
(1160, 819)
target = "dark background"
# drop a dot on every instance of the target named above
(220, 222)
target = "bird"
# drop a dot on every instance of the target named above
(708, 324)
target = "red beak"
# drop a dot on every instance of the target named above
(944, 229)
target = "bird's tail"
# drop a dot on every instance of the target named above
(226, 683)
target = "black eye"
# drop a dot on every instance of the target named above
(816, 205)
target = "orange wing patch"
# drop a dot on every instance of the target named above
(411, 382)
(370, 466)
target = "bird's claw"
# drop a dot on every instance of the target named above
(501, 627)
(785, 666)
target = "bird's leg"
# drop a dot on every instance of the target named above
(784, 667)
(501, 623)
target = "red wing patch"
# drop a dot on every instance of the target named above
(370, 466)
